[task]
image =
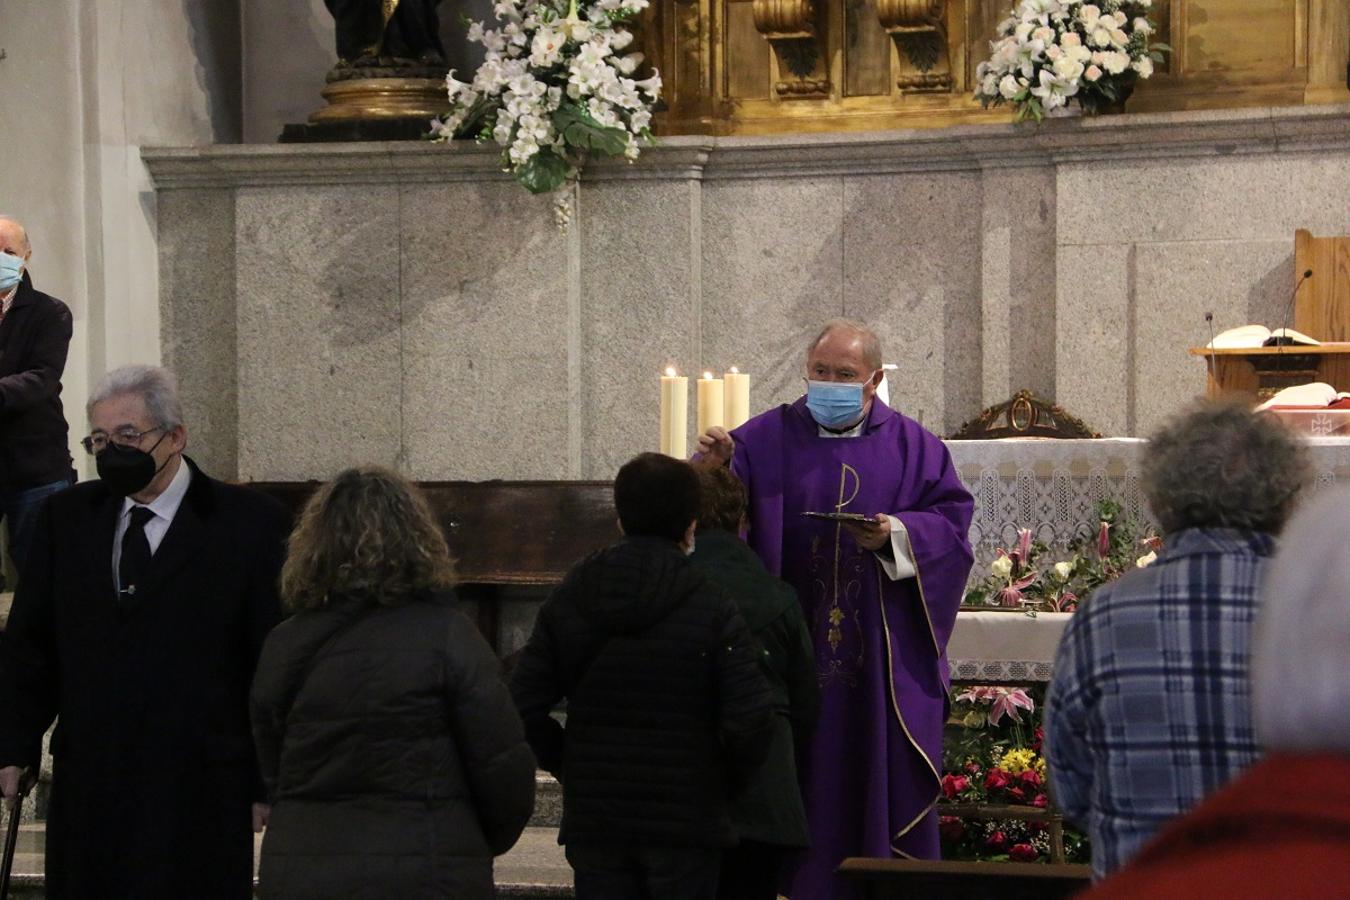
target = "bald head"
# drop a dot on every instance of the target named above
(14, 238)
(850, 331)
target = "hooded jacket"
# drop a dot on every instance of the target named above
(667, 710)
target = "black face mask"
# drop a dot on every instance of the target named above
(127, 470)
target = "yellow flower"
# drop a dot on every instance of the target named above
(1040, 767)
(1015, 762)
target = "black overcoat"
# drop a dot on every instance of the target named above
(34, 341)
(153, 765)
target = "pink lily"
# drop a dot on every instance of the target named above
(1104, 540)
(1012, 594)
(1065, 602)
(1153, 542)
(1007, 704)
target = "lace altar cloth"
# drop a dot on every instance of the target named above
(1052, 487)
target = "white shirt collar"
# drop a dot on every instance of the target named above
(165, 506)
(852, 432)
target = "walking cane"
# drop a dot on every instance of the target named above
(26, 782)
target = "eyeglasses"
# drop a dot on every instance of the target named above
(123, 437)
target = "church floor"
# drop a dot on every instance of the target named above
(534, 868)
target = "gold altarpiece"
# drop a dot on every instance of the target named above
(773, 66)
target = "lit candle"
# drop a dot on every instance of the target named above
(709, 403)
(674, 414)
(737, 398)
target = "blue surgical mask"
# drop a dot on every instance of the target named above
(11, 270)
(835, 404)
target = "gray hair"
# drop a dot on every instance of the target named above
(155, 386)
(871, 344)
(1221, 465)
(1301, 648)
(23, 232)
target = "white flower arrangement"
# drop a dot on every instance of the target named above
(555, 87)
(1052, 51)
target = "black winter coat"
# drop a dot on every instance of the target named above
(393, 754)
(667, 711)
(770, 809)
(154, 771)
(34, 341)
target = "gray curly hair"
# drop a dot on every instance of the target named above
(1221, 465)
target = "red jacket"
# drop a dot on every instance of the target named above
(1282, 829)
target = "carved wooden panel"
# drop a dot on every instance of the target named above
(747, 59)
(1242, 36)
(867, 51)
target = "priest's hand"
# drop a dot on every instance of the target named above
(871, 535)
(716, 447)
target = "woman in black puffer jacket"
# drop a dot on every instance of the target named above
(389, 745)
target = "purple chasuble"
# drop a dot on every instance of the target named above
(871, 775)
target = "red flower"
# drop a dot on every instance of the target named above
(1039, 736)
(1031, 778)
(1040, 801)
(973, 767)
(997, 841)
(1104, 540)
(951, 828)
(1017, 794)
(953, 785)
(1023, 853)
(996, 780)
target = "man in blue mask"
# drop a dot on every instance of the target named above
(34, 339)
(880, 594)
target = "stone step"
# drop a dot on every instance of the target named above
(534, 868)
(547, 802)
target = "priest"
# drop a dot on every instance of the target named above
(880, 593)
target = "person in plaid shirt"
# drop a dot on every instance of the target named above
(1149, 707)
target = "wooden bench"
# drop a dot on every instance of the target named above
(505, 533)
(919, 879)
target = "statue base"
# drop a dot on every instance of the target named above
(373, 109)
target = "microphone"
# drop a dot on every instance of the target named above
(1213, 357)
(1283, 339)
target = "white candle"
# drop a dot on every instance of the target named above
(737, 404)
(709, 403)
(674, 414)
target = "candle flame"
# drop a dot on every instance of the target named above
(670, 370)
(707, 376)
(735, 371)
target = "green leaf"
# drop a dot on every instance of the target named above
(578, 129)
(543, 172)
(473, 123)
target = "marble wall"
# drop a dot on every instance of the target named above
(406, 304)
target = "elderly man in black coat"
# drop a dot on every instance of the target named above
(139, 622)
(35, 334)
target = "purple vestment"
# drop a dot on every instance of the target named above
(871, 775)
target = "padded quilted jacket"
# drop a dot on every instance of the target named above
(392, 751)
(667, 709)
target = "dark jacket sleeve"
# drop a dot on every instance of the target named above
(745, 701)
(46, 360)
(800, 675)
(28, 663)
(536, 687)
(269, 701)
(497, 761)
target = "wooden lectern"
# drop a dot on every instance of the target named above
(1321, 311)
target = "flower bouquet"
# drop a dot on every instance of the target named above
(993, 767)
(1052, 51)
(1021, 578)
(554, 88)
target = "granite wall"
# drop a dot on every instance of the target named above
(407, 304)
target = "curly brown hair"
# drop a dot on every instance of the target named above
(369, 534)
(723, 499)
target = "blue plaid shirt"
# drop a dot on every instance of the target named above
(1149, 708)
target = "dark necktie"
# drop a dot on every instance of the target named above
(135, 562)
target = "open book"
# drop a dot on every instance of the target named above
(1314, 395)
(1249, 337)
